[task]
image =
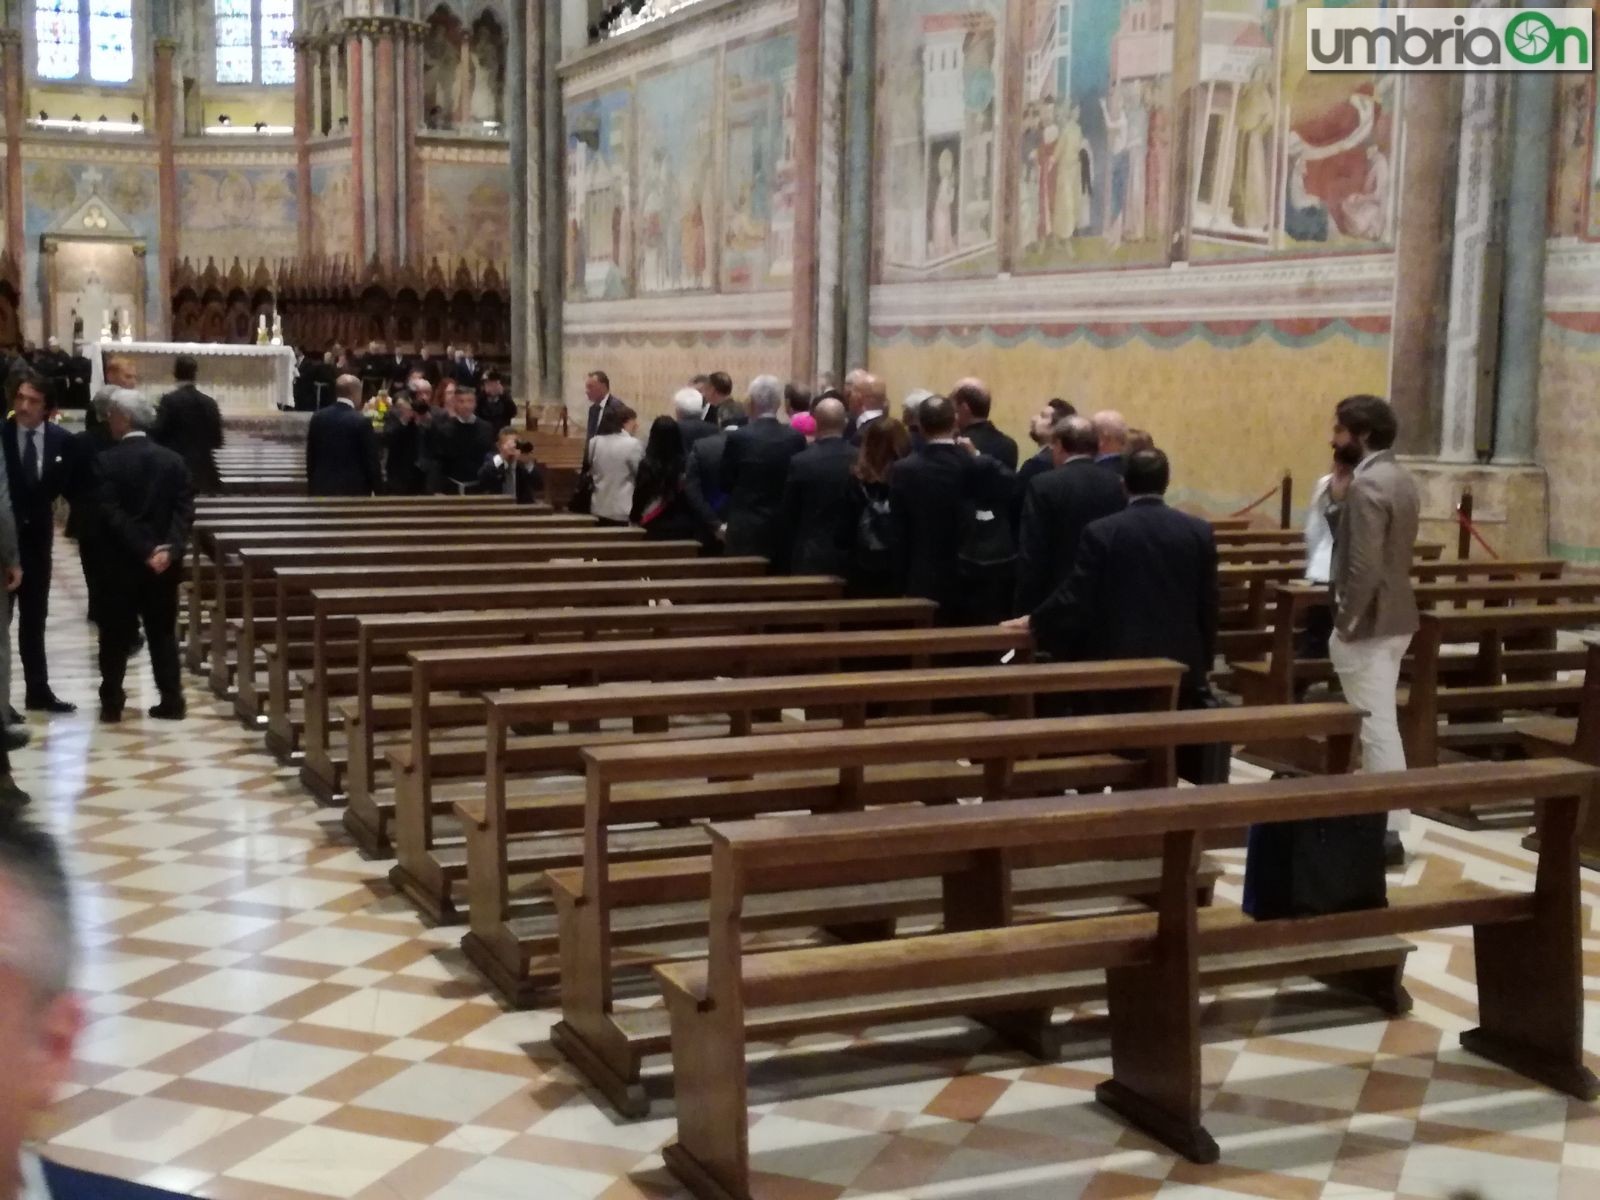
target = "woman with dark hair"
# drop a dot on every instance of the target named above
(660, 500)
(614, 455)
(875, 565)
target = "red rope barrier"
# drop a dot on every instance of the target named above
(1274, 490)
(1465, 523)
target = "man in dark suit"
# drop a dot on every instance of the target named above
(467, 370)
(495, 404)
(597, 390)
(933, 494)
(189, 422)
(717, 392)
(867, 399)
(1060, 503)
(511, 470)
(459, 445)
(755, 467)
(814, 517)
(1112, 428)
(703, 478)
(402, 429)
(146, 510)
(41, 465)
(686, 408)
(342, 447)
(972, 401)
(1144, 585)
(1042, 430)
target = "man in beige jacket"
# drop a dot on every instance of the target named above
(1375, 609)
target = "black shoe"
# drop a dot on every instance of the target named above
(13, 717)
(138, 644)
(11, 794)
(50, 703)
(1394, 850)
(169, 710)
(110, 715)
(15, 737)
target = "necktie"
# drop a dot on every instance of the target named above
(30, 456)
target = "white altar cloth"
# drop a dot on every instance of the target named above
(246, 381)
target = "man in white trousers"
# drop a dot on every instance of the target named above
(1375, 609)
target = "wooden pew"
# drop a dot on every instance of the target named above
(428, 866)
(451, 688)
(204, 556)
(257, 623)
(1273, 679)
(353, 672)
(627, 784)
(1153, 964)
(334, 612)
(1558, 737)
(291, 604)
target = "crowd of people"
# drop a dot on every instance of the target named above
(130, 479)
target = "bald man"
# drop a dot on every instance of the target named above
(1111, 427)
(342, 447)
(972, 400)
(818, 499)
(868, 399)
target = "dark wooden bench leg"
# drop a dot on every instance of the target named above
(1530, 973)
(1155, 1020)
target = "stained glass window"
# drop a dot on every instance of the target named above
(254, 41)
(235, 42)
(57, 34)
(277, 49)
(111, 41)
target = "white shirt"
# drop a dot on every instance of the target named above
(34, 1186)
(871, 414)
(1319, 534)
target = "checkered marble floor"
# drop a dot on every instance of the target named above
(268, 1019)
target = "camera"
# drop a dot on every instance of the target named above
(525, 447)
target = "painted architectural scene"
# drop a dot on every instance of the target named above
(1287, 160)
(760, 182)
(463, 72)
(675, 172)
(599, 222)
(332, 209)
(940, 85)
(1094, 144)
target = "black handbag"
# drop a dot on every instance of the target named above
(1208, 763)
(1306, 868)
(583, 491)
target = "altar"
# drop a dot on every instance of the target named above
(246, 381)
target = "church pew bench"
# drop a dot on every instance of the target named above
(1272, 679)
(430, 867)
(251, 562)
(1153, 964)
(1579, 739)
(1486, 712)
(450, 689)
(257, 627)
(335, 610)
(205, 561)
(292, 587)
(601, 903)
(350, 673)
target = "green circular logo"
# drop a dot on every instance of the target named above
(1531, 38)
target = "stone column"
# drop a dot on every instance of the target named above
(808, 78)
(1476, 261)
(1527, 221)
(552, 187)
(1180, 138)
(11, 67)
(858, 174)
(386, 176)
(164, 86)
(411, 173)
(305, 107)
(356, 110)
(1426, 187)
(524, 49)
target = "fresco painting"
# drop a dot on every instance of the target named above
(332, 209)
(1094, 145)
(215, 204)
(1287, 160)
(760, 181)
(675, 171)
(468, 210)
(939, 89)
(599, 220)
